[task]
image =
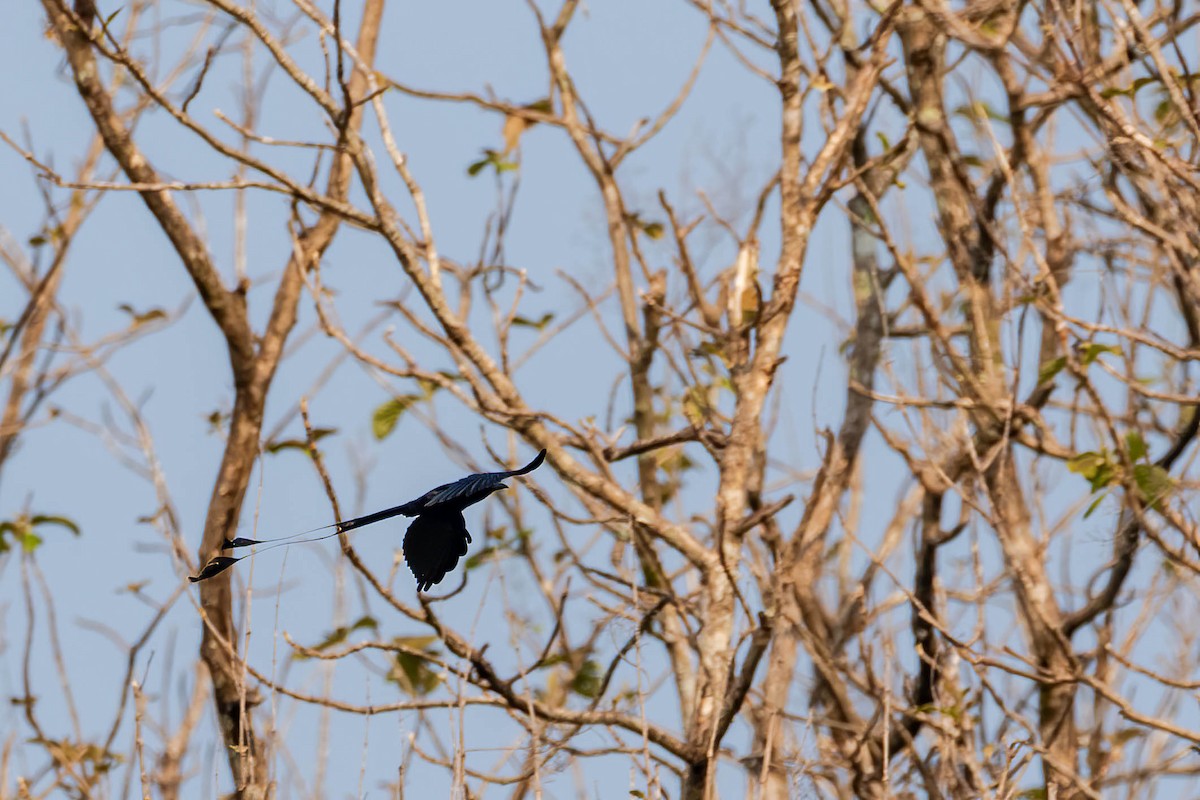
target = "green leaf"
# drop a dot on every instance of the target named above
(102, 760)
(1128, 91)
(1032, 794)
(586, 682)
(1094, 505)
(54, 519)
(674, 461)
(1164, 112)
(339, 635)
(697, 403)
(1086, 463)
(654, 230)
(1136, 445)
(285, 444)
(1050, 369)
(413, 673)
(21, 530)
(1103, 476)
(142, 317)
(491, 158)
(1153, 482)
(108, 20)
(383, 422)
(553, 659)
(483, 556)
(217, 420)
(1097, 468)
(298, 444)
(540, 323)
(1093, 350)
(979, 111)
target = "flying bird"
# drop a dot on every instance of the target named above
(435, 540)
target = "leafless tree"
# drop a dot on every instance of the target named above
(914, 607)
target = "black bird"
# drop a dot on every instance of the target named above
(435, 540)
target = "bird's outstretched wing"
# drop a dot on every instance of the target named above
(480, 484)
(433, 544)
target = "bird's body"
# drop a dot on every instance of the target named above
(433, 544)
(438, 537)
(435, 540)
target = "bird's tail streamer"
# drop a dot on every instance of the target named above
(219, 564)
